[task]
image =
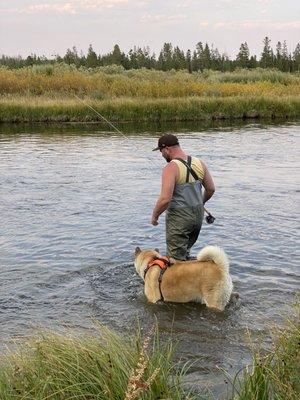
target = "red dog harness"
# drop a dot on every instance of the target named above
(163, 263)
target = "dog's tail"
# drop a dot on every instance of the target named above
(215, 254)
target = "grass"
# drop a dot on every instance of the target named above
(106, 366)
(43, 109)
(276, 374)
(97, 83)
(47, 93)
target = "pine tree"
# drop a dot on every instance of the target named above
(267, 55)
(243, 56)
(189, 61)
(253, 63)
(296, 58)
(215, 58)
(179, 60)
(206, 57)
(116, 55)
(165, 59)
(286, 58)
(71, 56)
(91, 58)
(197, 60)
(278, 56)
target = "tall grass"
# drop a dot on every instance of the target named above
(106, 366)
(102, 367)
(255, 75)
(43, 109)
(64, 80)
(47, 93)
(275, 375)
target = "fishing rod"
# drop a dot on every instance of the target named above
(112, 125)
(209, 218)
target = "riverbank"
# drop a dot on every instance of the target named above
(43, 109)
(50, 94)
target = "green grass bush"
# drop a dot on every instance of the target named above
(103, 367)
(274, 375)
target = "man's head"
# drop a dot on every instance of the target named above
(166, 144)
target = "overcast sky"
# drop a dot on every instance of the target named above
(50, 27)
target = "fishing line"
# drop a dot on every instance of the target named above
(114, 127)
(209, 218)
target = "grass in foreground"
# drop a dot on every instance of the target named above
(105, 366)
(275, 375)
(108, 367)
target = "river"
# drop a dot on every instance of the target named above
(77, 200)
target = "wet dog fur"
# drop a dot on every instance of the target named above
(204, 280)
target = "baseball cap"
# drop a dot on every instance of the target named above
(166, 140)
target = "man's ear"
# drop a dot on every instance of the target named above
(157, 250)
(137, 251)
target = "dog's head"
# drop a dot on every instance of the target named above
(142, 259)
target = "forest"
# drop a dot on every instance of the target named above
(202, 57)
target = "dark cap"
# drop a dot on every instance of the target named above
(166, 140)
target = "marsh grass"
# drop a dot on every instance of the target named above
(47, 94)
(66, 80)
(104, 366)
(274, 375)
(43, 109)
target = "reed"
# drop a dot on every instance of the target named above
(64, 80)
(47, 93)
(44, 109)
(105, 366)
(276, 374)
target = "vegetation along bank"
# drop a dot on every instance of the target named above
(49, 93)
(107, 366)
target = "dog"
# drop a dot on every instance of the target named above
(204, 280)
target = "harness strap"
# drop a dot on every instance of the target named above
(162, 271)
(189, 168)
(163, 263)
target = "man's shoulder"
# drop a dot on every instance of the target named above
(170, 170)
(171, 166)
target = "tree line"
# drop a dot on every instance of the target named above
(172, 57)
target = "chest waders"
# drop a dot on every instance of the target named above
(184, 215)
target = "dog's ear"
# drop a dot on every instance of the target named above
(137, 251)
(157, 250)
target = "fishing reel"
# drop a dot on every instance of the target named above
(210, 219)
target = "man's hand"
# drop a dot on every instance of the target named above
(154, 221)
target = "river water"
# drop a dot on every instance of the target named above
(77, 200)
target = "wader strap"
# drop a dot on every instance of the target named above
(189, 168)
(189, 162)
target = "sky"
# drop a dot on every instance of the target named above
(51, 27)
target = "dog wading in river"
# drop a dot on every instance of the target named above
(205, 280)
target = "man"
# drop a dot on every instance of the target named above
(181, 195)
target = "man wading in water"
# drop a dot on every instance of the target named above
(181, 195)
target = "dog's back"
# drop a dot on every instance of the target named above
(206, 279)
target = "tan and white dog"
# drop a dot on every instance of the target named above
(204, 280)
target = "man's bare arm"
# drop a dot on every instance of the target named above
(168, 183)
(208, 184)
